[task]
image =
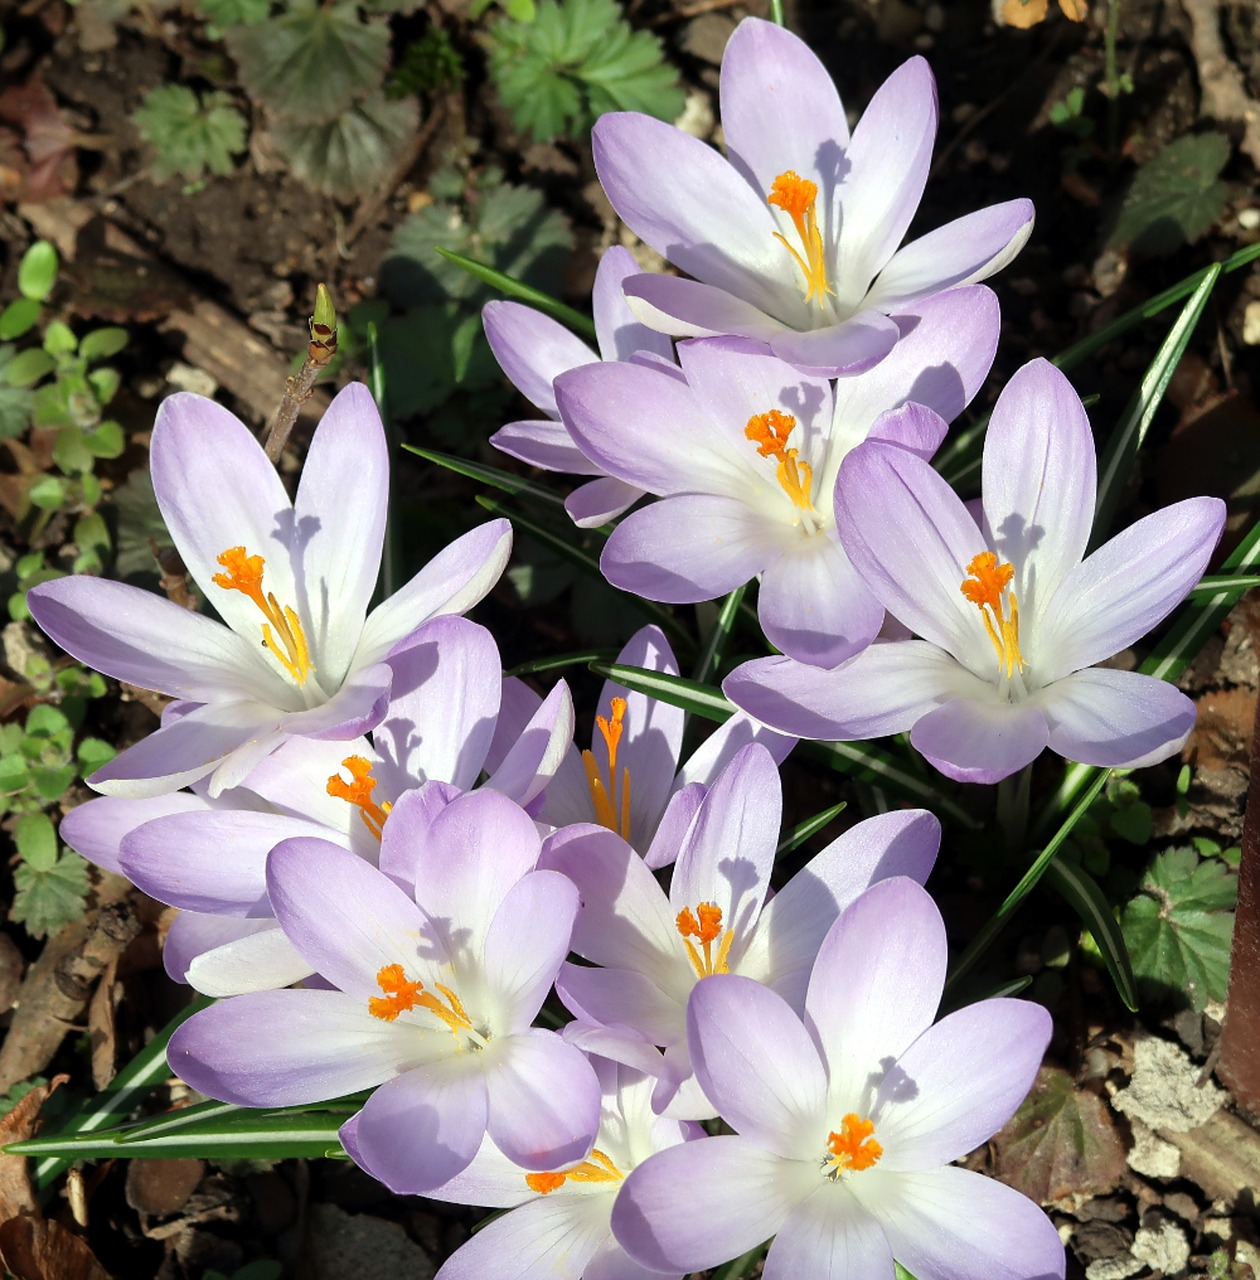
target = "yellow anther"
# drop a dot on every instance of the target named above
(706, 927)
(612, 810)
(287, 642)
(597, 1168)
(986, 584)
(852, 1148)
(358, 792)
(402, 995)
(769, 432)
(798, 198)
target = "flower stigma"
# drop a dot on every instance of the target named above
(611, 810)
(358, 792)
(851, 1149)
(769, 432)
(798, 198)
(706, 927)
(402, 995)
(598, 1168)
(287, 643)
(984, 586)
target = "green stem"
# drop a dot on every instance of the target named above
(715, 645)
(776, 13)
(1012, 809)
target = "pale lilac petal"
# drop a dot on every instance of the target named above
(621, 998)
(959, 1083)
(1128, 585)
(886, 170)
(952, 1224)
(96, 829)
(757, 1063)
(673, 825)
(339, 528)
(913, 427)
(620, 334)
(526, 941)
(532, 760)
(691, 547)
(829, 1237)
(532, 349)
(981, 740)
(876, 984)
(147, 640)
(702, 1203)
(780, 109)
(1115, 719)
(192, 935)
(599, 501)
(491, 1180)
(517, 707)
(969, 249)
(851, 347)
(344, 916)
(691, 309)
(452, 582)
(813, 605)
(294, 780)
(544, 444)
(276, 1048)
(719, 748)
(354, 709)
(419, 1129)
(264, 960)
(1039, 482)
(884, 690)
(407, 831)
(677, 194)
(612, 1262)
(544, 1101)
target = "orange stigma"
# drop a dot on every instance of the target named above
(798, 198)
(769, 432)
(598, 1168)
(611, 810)
(706, 927)
(402, 995)
(358, 792)
(283, 636)
(984, 586)
(852, 1149)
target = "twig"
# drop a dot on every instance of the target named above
(319, 352)
(1224, 90)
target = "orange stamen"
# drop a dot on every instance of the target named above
(852, 1149)
(402, 995)
(798, 198)
(611, 811)
(769, 432)
(986, 583)
(599, 1168)
(358, 792)
(283, 636)
(706, 930)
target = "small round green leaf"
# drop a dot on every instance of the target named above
(38, 271)
(28, 367)
(18, 317)
(36, 841)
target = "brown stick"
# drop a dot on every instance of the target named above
(1224, 90)
(297, 391)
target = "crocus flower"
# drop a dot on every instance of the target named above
(718, 917)
(745, 453)
(292, 581)
(438, 730)
(794, 240)
(846, 1124)
(533, 349)
(559, 1226)
(1011, 612)
(432, 1002)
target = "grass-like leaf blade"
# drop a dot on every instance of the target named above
(1082, 893)
(803, 830)
(582, 325)
(496, 477)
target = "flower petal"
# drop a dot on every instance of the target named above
(264, 960)
(533, 350)
(532, 760)
(599, 501)
(193, 934)
(719, 748)
(621, 998)
(829, 1237)
(620, 334)
(981, 740)
(96, 829)
(851, 347)
(690, 309)
(544, 444)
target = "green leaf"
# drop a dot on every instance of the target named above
(493, 476)
(310, 64)
(49, 898)
(93, 754)
(38, 271)
(354, 151)
(582, 325)
(16, 403)
(19, 317)
(28, 367)
(100, 344)
(1081, 892)
(803, 830)
(1174, 198)
(52, 783)
(234, 13)
(105, 441)
(59, 339)
(1178, 927)
(36, 841)
(13, 775)
(715, 645)
(191, 135)
(70, 452)
(49, 493)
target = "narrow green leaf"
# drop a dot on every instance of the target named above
(19, 317)
(582, 325)
(1130, 431)
(699, 699)
(583, 657)
(1081, 892)
(1234, 583)
(715, 645)
(494, 476)
(803, 830)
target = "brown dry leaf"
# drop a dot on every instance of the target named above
(162, 1187)
(1024, 13)
(101, 1025)
(34, 1249)
(16, 1125)
(1060, 1143)
(47, 140)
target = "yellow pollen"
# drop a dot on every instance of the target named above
(798, 198)
(769, 432)
(612, 810)
(401, 995)
(599, 1168)
(358, 792)
(283, 636)
(706, 927)
(852, 1149)
(986, 583)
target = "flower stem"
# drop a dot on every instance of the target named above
(1012, 809)
(776, 13)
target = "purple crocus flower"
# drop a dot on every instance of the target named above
(744, 453)
(560, 1225)
(794, 241)
(292, 581)
(846, 1124)
(718, 917)
(438, 731)
(430, 997)
(533, 350)
(1011, 612)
